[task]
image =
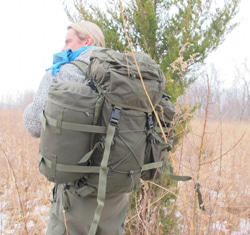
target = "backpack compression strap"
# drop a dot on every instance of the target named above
(62, 125)
(102, 184)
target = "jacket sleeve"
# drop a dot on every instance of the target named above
(31, 115)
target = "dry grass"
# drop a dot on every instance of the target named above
(217, 157)
(25, 194)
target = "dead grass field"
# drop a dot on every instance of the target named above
(24, 193)
(217, 157)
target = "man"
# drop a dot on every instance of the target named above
(81, 39)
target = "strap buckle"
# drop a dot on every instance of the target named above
(115, 116)
(150, 121)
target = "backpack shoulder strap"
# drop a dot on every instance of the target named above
(82, 65)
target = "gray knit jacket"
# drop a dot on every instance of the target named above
(31, 115)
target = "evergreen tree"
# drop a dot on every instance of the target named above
(178, 34)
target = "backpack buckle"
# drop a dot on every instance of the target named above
(91, 84)
(115, 116)
(150, 122)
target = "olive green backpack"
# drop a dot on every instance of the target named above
(104, 134)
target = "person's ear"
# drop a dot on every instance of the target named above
(88, 40)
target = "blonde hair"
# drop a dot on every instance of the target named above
(85, 28)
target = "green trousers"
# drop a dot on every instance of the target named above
(78, 218)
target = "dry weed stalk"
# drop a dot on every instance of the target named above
(180, 65)
(24, 206)
(210, 159)
(14, 187)
(65, 221)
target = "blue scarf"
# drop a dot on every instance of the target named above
(64, 57)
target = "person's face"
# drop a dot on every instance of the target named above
(73, 42)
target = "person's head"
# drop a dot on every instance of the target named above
(84, 33)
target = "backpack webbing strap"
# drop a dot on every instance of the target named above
(152, 165)
(67, 168)
(102, 183)
(200, 200)
(80, 64)
(102, 180)
(185, 178)
(97, 112)
(45, 119)
(81, 191)
(172, 176)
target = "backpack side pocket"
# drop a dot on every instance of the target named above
(155, 154)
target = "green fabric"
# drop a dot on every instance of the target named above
(102, 185)
(53, 166)
(80, 64)
(76, 118)
(75, 115)
(67, 126)
(199, 195)
(105, 133)
(71, 126)
(79, 215)
(117, 77)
